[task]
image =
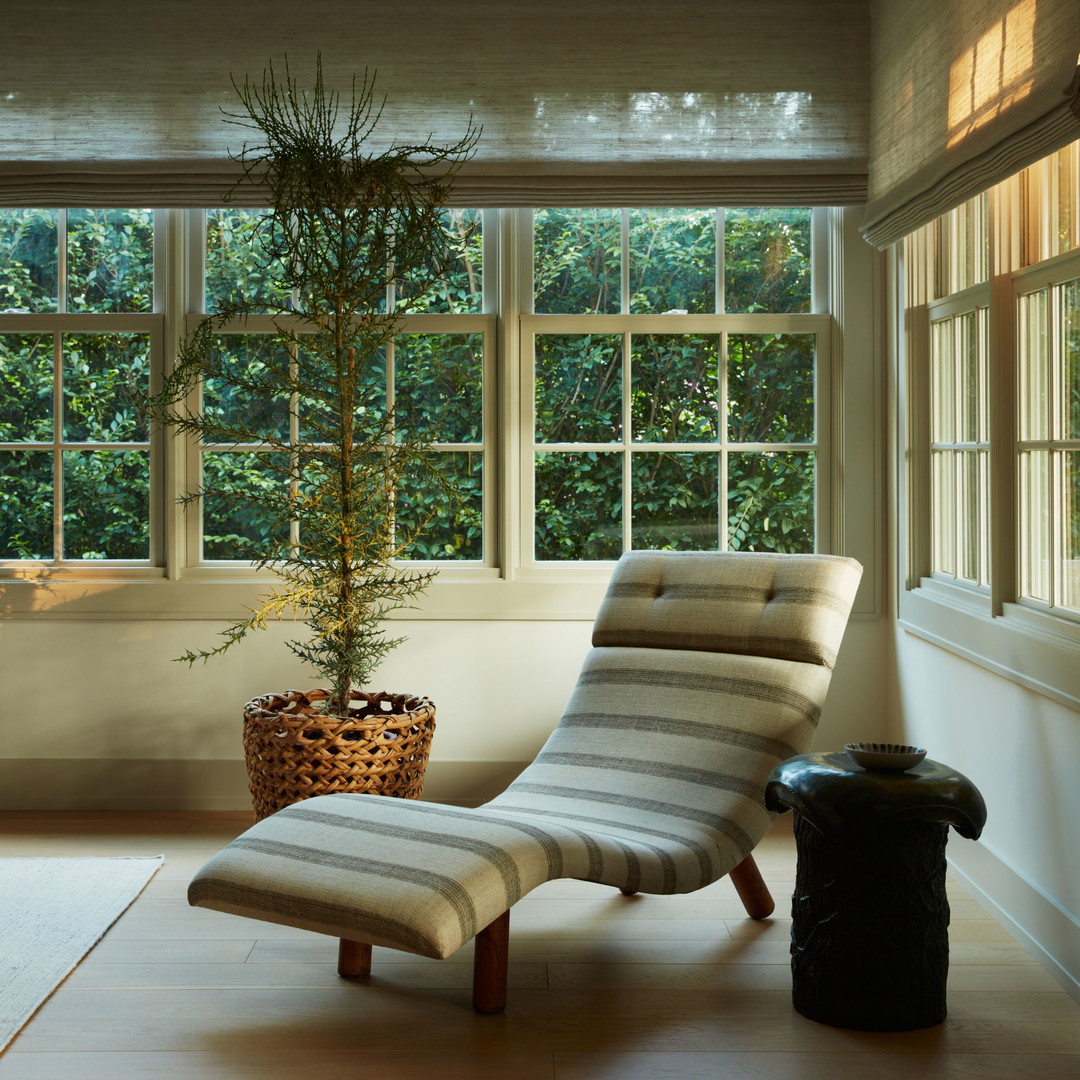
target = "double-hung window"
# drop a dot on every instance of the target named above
(78, 335)
(433, 373)
(676, 370)
(992, 425)
(593, 380)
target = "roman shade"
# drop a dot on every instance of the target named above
(963, 95)
(685, 103)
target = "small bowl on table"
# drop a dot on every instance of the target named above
(885, 757)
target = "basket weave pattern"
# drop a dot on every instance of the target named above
(294, 751)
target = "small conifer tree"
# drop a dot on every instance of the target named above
(344, 219)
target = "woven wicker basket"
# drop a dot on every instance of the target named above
(295, 752)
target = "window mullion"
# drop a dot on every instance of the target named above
(627, 457)
(624, 262)
(58, 453)
(723, 429)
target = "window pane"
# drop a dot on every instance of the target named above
(457, 286)
(439, 384)
(943, 500)
(28, 260)
(1067, 199)
(767, 260)
(1034, 367)
(101, 371)
(237, 265)
(966, 244)
(771, 502)
(1070, 571)
(578, 388)
(672, 261)
(26, 504)
(26, 387)
(675, 388)
(320, 411)
(971, 514)
(236, 521)
(577, 261)
(106, 504)
(446, 534)
(253, 403)
(943, 382)
(110, 260)
(676, 501)
(972, 378)
(771, 387)
(1035, 525)
(578, 506)
(1070, 349)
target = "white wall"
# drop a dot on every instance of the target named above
(96, 714)
(1021, 750)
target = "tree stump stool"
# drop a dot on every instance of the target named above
(869, 935)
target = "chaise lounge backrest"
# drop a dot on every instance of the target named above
(789, 607)
(708, 669)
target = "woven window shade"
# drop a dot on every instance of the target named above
(964, 94)
(681, 103)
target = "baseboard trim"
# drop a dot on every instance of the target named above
(152, 784)
(1045, 929)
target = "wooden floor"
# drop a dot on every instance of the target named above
(602, 987)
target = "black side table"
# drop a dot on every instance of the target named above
(869, 935)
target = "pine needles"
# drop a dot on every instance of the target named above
(345, 219)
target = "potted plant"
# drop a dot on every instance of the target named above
(343, 220)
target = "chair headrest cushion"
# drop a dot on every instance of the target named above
(790, 607)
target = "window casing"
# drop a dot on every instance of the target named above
(502, 328)
(79, 333)
(679, 403)
(990, 427)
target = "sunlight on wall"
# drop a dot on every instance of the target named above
(989, 77)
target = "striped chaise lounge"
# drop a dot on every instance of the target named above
(707, 670)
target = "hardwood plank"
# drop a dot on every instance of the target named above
(822, 1066)
(264, 1065)
(365, 1019)
(257, 977)
(185, 993)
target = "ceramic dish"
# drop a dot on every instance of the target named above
(885, 757)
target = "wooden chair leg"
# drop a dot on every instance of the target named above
(490, 961)
(354, 958)
(752, 890)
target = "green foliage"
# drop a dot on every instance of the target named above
(578, 261)
(110, 257)
(28, 261)
(344, 486)
(673, 499)
(672, 261)
(766, 260)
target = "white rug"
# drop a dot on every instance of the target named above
(52, 913)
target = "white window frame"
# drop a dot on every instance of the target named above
(1021, 639)
(60, 323)
(508, 585)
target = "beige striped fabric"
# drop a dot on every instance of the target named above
(653, 780)
(762, 604)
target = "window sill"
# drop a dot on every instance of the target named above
(464, 594)
(1035, 649)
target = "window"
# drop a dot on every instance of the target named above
(960, 447)
(75, 341)
(675, 381)
(596, 380)
(434, 373)
(1049, 445)
(992, 422)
